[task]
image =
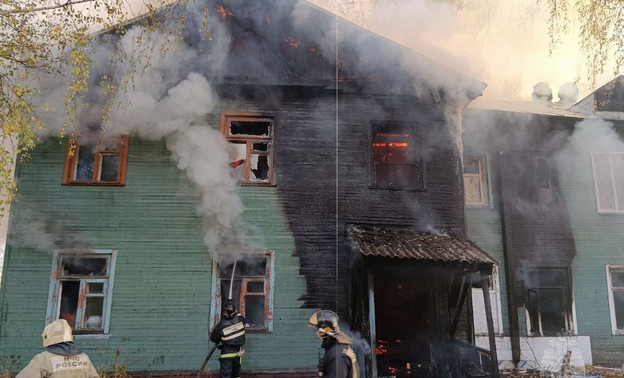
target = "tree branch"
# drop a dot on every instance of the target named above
(47, 8)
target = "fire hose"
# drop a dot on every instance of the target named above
(201, 369)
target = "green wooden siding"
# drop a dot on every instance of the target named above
(161, 295)
(599, 242)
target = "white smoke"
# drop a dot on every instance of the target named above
(163, 99)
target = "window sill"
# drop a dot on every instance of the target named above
(93, 184)
(397, 188)
(87, 336)
(479, 207)
(259, 184)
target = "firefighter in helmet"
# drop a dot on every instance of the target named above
(61, 359)
(339, 360)
(230, 332)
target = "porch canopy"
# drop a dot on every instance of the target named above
(407, 243)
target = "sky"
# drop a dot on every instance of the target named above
(504, 43)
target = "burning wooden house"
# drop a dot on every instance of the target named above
(542, 186)
(323, 159)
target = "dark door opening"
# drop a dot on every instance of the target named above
(402, 324)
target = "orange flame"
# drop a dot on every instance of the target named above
(384, 144)
(291, 41)
(223, 12)
(236, 163)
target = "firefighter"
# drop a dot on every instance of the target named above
(339, 360)
(61, 359)
(230, 332)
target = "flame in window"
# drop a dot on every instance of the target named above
(391, 148)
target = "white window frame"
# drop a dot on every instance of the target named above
(54, 303)
(269, 287)
(610, 268)
(618, 208)
(483, 176)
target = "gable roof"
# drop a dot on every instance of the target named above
(606, 101)
(290, 42)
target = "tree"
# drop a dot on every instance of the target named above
(39, 38)
(601, 30)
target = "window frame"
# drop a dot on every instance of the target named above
(54, 295)
(615, 331)
(483, 176)
(269, 288)
(398, 128)
(227, 117)
(71, 160)
(568, 302)
(617, 208)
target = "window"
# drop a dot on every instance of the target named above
(96, 161)
(252, 288)
(396, 158)
(609, 181)
(615, 282)
(475, 184)
(548, 302)
(80, 290)
(251, 136)
(536, 185)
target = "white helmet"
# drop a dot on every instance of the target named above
(56, 332)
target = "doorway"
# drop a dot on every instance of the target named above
(402, 328)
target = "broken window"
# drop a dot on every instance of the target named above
(548, 302)
(396, 158)
(96, 161)
(609, 181)
(251, 138)
(251, 287)
(615, 281)
(475, 185)
(80, 290)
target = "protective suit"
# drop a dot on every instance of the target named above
(230, 332)
(339, 360)
(61, 359)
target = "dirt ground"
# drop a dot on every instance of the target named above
(590, 371)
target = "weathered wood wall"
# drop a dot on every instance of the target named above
(161, 294)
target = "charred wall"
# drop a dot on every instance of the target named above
(323, 168)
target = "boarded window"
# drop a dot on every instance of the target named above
(250, 136)
(96, 161)
(548, 302)
(609, 181)
(615, 280)
(80, 290)
(475, 185)
(396, 158)
(251, 287)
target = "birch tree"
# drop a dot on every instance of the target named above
(601, 30)
(53, 38)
